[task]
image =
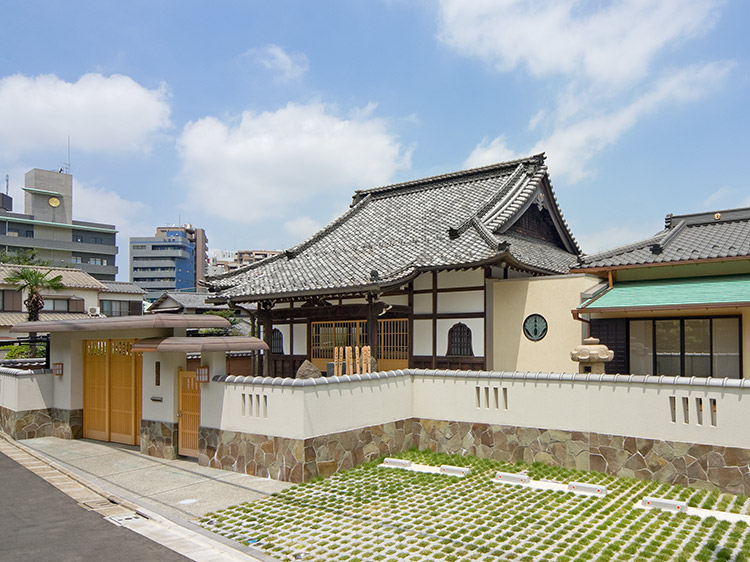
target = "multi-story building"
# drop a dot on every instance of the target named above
(47, 226)
(173, 259)
(223, 261)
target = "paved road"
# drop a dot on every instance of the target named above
(39, 523)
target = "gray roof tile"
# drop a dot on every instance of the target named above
(454, 220)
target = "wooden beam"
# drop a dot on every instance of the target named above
(266, 326)
(373, 308)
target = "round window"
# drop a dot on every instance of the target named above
(535, 327)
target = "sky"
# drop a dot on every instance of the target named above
(257, 120)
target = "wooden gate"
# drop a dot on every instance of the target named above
(189, 412)
(111, 391)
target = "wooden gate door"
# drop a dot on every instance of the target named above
(122, 408)
(96, 389)
(111, 391)
(189, 412)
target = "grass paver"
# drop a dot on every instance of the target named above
(371, 513)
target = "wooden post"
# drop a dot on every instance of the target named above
(349, 361)
(357, 361)
(372, 324)
(264, 318)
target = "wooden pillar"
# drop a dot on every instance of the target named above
(264, 318)
(372, 325)
(434, 317)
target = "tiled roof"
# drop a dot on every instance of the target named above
(391, 233)
(122, 287)
(715, 235)
(13, 318)
(184, 301)
(71, 278)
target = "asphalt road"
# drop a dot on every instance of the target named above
(39, 523)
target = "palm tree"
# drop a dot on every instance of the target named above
(33, 282)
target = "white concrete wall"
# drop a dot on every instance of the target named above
(26, 392)
(166, 410)
(300, 339)
(625, 406)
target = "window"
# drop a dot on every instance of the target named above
(277, 342)
(459, 340)
(77, 238)
(690, 347)
(75, 259)
(13, 232)
(114, 308)
(97, 240)
(139, 246)
(95, 261)
(56, 305)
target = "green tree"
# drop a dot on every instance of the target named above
(33, 282)
(21, 257)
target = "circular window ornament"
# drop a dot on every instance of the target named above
(535, 327)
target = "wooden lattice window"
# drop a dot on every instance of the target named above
(459, 340)
(277, 342)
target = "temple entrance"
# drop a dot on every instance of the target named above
(112, 391)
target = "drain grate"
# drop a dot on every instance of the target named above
(125, 519)
(96, 504)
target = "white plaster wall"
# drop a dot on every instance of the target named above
(476, 325)
(422, 337)
(300, 339)
(423, 281)
(284, 329)
(553, 298)
(468, 278)
(234, 407)
(423, 304)
(639, 410)
(26, 392)
(469, 301)
(343, 406)
(402, 300)
(166, 410)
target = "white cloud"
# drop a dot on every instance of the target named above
(100, 205)
(286, 66)
(613, 45)
(571, 146)
(301, 228)
(490, 151)
(713, 200)
(101, 114)
(601, 239)
(278, 163)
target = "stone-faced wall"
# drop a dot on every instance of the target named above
(28, 424)
(159, 439)
(296, 460)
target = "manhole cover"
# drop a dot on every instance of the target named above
(97, 504)
(124, 519)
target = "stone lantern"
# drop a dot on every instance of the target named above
(591, 356)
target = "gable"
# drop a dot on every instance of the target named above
(537, 223)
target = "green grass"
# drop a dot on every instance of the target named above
(372, 513)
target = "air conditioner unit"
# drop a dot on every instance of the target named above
(94, 311)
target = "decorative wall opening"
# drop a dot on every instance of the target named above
(277, 342)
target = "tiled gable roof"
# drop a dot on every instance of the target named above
(122, 287)
(71, 278)
(391, 233)
(724, 234)
(191, 301)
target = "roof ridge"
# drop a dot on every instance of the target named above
(560, 213)
(422, 182)
(626, 248)
(709, 217)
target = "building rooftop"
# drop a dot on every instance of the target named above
(701, 236)
(71, 278)
(504, 212)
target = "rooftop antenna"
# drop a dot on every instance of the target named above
(7, 183)
(66, 165)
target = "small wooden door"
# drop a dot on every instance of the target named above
(122, 408)
(189, 413)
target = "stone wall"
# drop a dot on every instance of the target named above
(159, 439)
(298, 460)
(295, 460)
(28, 424)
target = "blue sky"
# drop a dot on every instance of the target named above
(257, 120)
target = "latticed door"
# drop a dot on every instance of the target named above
(96, 389)
(122, 408)
(393, 344)
(189, 413)
(111, 391)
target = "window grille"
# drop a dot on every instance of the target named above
(459, 340)
(277, 342)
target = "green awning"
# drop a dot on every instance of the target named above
(691, 292)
